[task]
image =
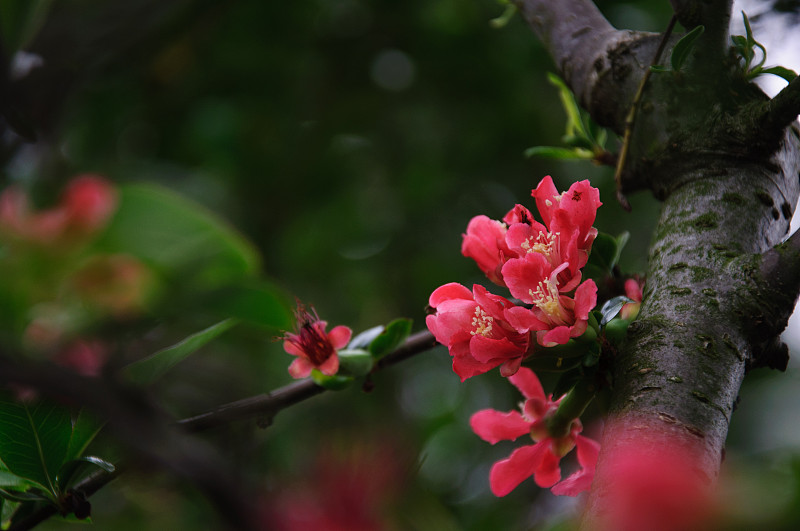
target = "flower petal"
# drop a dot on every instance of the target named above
(300, 368)
(493, 426)
(528, 384)
(340, 336)
(453, 290)
(580, 480)
(520, 465)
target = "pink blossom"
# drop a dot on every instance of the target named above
(633, 290)
(473, 328)
(313, 346)
(554, 317)
(540, 460)
(575, 208)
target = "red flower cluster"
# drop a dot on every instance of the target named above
(540, 460)
(540, 264)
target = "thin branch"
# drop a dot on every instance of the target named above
(630, 119)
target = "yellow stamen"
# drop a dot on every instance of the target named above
(482, 322)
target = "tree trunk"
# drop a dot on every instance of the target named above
(725, 160)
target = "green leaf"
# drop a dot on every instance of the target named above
(392, 337)
(567, 381)
(682, 48)
(355, 362)
(71, 470)
(259, 303)
(335, 382)
(612, 307)
(505, 18)
(780, 71)
(84, 430)
(150, 369)
(22, 496)
(33, 440)
(366, 337)
(659, 69)
(605, 254)
(559, 153)
(575, 125)
(748, 30)
(179, 237)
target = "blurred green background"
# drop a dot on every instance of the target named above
(351, 141)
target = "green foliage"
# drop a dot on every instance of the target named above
(508, 13)
(748, 48)
(390, 338)
(40, 453)
(585, 139)
(150, 369)
(682, 48)
(20, 21)
(178, 237)
(606, 251)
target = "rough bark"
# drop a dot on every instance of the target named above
(719, 287)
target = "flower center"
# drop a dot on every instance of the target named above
(542, 243)
(545, 297)
(482, 322)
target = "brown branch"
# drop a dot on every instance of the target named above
(630, 119)
(782, 110)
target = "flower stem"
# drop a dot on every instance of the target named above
(571, 407)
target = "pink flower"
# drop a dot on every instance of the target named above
(485, 241)
(554, 317)
(633, 290)
(540, 460)
(314, 348)
(574, 209)
(86, 206)
(473, 328)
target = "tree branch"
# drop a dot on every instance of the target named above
(782, 110)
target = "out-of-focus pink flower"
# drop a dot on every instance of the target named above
(633, 290)
(314, 347)
(473, 328)
(654, 483)
(89, 201)
(351, 487)
(118, 283)
(554, 317)
(83, 356)
(86, 206)
(540, 460)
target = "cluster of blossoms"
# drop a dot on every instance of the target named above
(540, 265)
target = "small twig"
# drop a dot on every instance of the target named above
(630, 119)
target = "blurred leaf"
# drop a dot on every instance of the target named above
(178, 236)
(682, 48)
(150, 369)
(257, 303)
(559, 153)
(34, 440)
(612, 307)
(566, 382)
(20, 21)
(392, 337)
(505, 18)
(355, 362)
(780, 71)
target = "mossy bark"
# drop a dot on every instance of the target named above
(719, 287)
